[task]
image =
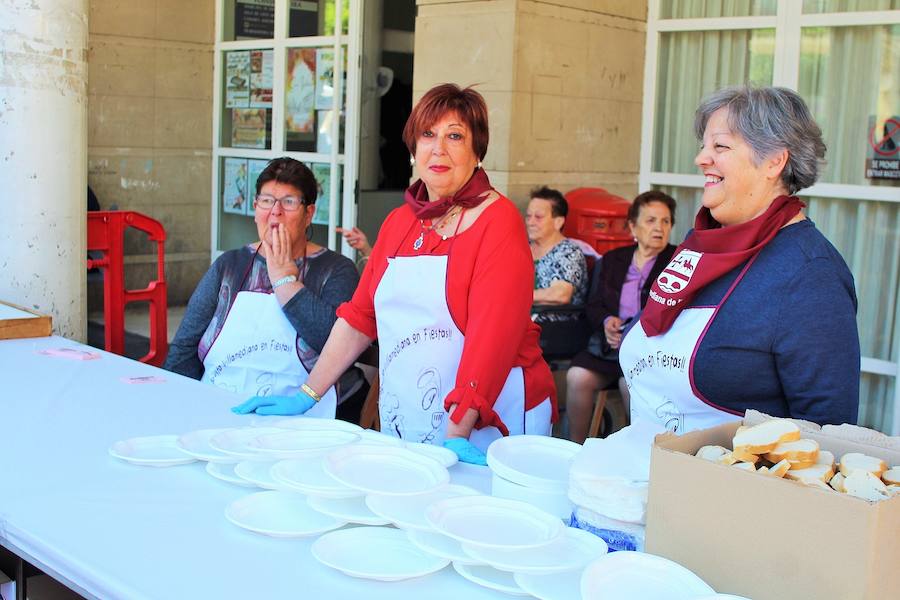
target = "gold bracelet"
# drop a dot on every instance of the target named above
(310, 392)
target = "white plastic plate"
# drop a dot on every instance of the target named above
(385, 470)
(279, 514)
(408, 512)
(381, 553)
(558, 586)
(307, 424)
(440, 545)
(308, 475)
(302, 443)
(536, 461)
(569, 552)
(370, 436)
(235, 442)
(721, 597)
(639, 575)
(151, 451)
(352, 510)
(490, 578)
(257, 473)
(445, 456)
(196, 443)
(493, 522)
(225, 472)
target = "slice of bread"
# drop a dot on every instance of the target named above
(742, 454)
(865, 485)
(800, 451)
(712, 453)
(891, 476)
(745, 466)
(893, 490)
(815, 483)
(854, 461)
(764, 437)
(727, 459)
(781, 468)
(837, 482)
(825, 458)
(821, 472)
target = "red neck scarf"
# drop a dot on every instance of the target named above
(468, 196)
(709, 252)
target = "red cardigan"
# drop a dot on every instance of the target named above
(490, 276)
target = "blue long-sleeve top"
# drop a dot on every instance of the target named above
(785, 342)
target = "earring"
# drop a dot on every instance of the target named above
(412, 161)
(479, 164)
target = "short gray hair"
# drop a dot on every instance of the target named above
(771, 119)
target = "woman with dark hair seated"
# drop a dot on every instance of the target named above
(560, 275)
(626, 276)
(260, 316)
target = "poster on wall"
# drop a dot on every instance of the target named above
(234, 186)
(254, 168)
(300, 94)
(322, 173)
(237, 79)
(324, 77)
(248, 128)
(883, 152)
(261, 78)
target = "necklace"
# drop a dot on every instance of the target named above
(437, 224)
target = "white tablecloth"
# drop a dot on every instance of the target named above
(108, 529)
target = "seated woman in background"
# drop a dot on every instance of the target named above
(621, 293)
(260, 316)
(560, 274)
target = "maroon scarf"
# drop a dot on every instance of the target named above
(467, 196)
(709, 252)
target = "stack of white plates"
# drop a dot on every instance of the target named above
(151, 451)
(386, 470)
(533, 469)
(300, 443)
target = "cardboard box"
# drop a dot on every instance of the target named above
(768, 538)
(19, 322)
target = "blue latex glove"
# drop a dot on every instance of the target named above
(276, 405)
(466, 451)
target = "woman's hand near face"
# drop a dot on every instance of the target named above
(356, 239)
(278, 254)
(611, 328)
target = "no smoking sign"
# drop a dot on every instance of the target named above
(883, 152)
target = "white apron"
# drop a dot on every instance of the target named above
(255, 353)
(658, 371)
(420, 347)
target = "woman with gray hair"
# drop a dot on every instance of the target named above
(756, 309)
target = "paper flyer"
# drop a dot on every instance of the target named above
(324, 78)
(248, 127)
(234, 186)
(237, 79)
(322, 173)
(300, 90)
(261, 62)
(323, 126)
(254, 168)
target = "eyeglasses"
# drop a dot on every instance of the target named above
(288, 203)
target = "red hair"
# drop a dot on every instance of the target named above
(445, 98)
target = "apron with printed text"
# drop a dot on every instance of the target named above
(659, 371)
(255, 353)
(420, 348)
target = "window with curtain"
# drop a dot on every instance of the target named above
(692, 9)
(691, 65)
(833, 6)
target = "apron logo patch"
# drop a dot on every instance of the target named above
(677, 274)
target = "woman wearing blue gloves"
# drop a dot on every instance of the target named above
(447, 292)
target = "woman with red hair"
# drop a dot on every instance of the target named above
(447, 292)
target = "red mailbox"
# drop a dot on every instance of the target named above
(599, 218)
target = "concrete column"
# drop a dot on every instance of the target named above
(563, 80)
(43, 158)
